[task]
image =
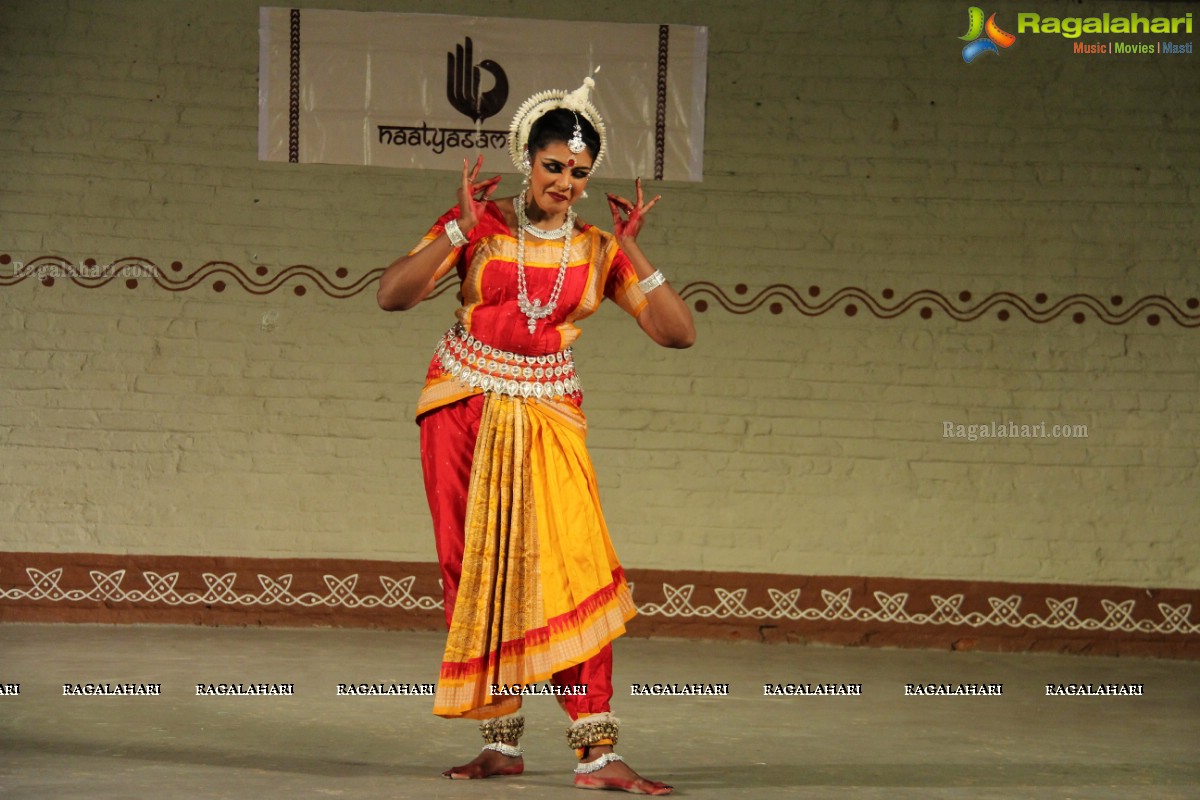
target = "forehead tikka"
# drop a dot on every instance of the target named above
(576, 144)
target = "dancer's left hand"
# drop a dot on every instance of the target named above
(629, 225)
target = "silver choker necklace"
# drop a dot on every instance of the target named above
(542, 233)
(534, 310)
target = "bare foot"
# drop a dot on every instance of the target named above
(617, 775)
(486, 765)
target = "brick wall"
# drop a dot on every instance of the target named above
(848, 148)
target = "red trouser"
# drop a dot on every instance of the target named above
(447, 449)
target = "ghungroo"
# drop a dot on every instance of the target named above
(590, 730)
(506, 729)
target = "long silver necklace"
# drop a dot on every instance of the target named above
(534, 310)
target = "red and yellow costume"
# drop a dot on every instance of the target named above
(533, 589)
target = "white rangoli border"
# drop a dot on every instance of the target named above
(676, 602)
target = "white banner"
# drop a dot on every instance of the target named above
(427, 90)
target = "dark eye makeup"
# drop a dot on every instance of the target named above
(555, 167)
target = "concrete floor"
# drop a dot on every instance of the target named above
(316, 744)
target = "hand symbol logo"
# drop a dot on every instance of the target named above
(463, 79)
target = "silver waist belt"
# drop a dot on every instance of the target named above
(491, 369)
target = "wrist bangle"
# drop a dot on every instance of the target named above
(455, 234)
(651, 283)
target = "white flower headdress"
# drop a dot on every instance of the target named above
(537, 105)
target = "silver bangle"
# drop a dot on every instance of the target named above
(455, 234)
(651, 283)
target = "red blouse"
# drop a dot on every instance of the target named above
(487, 269)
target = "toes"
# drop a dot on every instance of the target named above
(477, 771)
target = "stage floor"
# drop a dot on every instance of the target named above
(887, 742)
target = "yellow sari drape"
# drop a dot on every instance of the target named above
(541, 587)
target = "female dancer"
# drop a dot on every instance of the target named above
(533, 589)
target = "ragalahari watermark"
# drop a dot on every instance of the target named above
(86, 271)
(1008, 429)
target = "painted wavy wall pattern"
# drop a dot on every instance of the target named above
(704, 296)
(217, 276)
(927, 303)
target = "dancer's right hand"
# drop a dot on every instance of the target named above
(473, 196)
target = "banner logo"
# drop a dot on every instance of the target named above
(983, 37)
(463, 79)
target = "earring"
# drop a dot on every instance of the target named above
(526, 170)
